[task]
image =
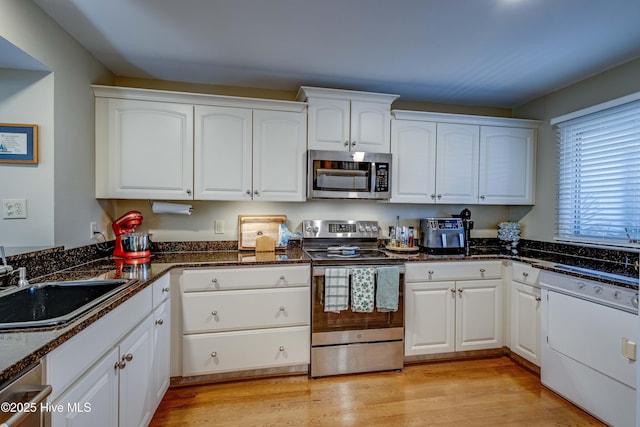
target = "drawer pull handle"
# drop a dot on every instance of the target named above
(214, 313)
(165, 289)
(159, 322)
(282, 277)
(281, 348)
(214, 281)
(525, 274)
(430, 272)
(214, 354)
(482, 270)
(282, 309)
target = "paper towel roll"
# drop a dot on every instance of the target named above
(171, 208)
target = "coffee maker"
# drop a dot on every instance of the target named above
(130, 245)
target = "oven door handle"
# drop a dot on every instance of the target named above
(41, 394)
(320, 271)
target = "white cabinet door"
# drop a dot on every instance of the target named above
(429, 318)
(526, 332)
(136, 379)
(223, 153)
(507, 163)
(329, 124)
(478, 315)
(161, 352)
(144, 149)
(93, 399)
(413, 172)
(457, 163)
(279, 160)
(370, 127)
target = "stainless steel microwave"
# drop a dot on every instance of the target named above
(348, 175)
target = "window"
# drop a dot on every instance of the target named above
(599, 174)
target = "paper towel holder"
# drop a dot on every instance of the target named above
(171, 208)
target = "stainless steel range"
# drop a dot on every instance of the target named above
(357, 320)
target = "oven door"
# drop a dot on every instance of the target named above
(348, 175)
(347, 320)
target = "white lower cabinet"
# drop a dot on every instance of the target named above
(239, 319)
(460, 314)
(116, 371)
(526, 306)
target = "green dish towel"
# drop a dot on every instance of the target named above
(362, 289)
(388, 289)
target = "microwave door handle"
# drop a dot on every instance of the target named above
(443, 237)
(461, 239)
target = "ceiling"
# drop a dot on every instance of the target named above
(499, 53)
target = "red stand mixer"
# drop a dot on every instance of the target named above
(131, 245)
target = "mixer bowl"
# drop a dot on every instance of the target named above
(136, 242)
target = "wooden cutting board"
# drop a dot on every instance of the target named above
(250, 227)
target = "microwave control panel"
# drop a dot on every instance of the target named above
(382, 177)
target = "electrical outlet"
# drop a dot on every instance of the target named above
(93, 229)
(218, 225)
(14, 208)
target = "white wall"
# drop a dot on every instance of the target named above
(62, 185)
(539, 222)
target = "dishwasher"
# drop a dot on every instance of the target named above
(22, 399)
(589, 340)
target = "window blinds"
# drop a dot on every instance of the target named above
(599, 176)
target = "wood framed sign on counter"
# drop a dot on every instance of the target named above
(18, 143)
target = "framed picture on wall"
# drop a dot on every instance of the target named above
(18, 143)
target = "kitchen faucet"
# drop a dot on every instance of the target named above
(4, 268)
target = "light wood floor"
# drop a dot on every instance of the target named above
(487, 392)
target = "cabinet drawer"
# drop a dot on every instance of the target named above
(161, 289)
(524, 273)
(437, 271)
(232, 351)
(215, 279)
(233, 310)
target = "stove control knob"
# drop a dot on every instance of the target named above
(368, 228)
(634, 301)
(597, 290)
(617, 295)
(361, 228)
(374, 228)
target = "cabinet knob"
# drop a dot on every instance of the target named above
(165, 289)
(282, 308)
(482, 270)
(159, 322)
(214, 354)
(249, 192)
(120, 365)
(433, 196)
(538, 299)
(281, 348)
(525, 274)
(453, 291)
(214, 280)
(346, 143)
(128, 357)
(188, 192)
(214, 313)
(482, 197)
(353, 144)
(256, 193)
(430, 272)
(460, 290)
(282, 277)
(439, 196)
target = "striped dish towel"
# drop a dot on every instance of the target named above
(362, 286)
(336, 289)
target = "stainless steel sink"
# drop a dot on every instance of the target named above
(54, 303)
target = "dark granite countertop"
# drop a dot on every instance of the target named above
(21, 348)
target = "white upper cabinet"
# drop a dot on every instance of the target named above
(345, 120)
(507, 164)
(457, 163)
(144, 149)
(413, 148)
(182, 146)
(456, 159)
(223, 153)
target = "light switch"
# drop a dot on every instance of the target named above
(629, 349)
